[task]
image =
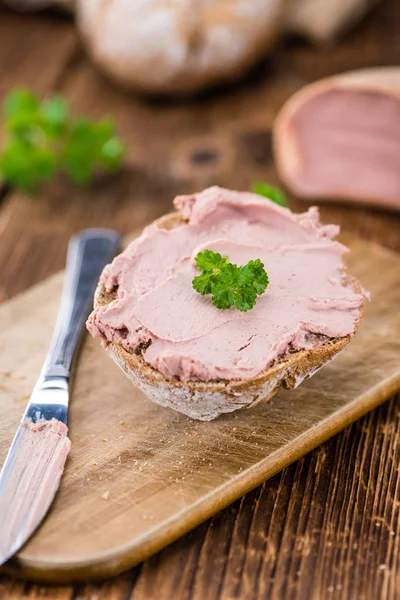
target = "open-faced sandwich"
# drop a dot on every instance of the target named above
(214, 307)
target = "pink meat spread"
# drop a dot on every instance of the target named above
(44, 446)
(180, 332)
(348, 146)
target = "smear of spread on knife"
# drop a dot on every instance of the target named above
(43, 448)
(183, 335)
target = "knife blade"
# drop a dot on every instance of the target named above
(35, 462)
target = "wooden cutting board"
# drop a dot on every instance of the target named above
(139, 475)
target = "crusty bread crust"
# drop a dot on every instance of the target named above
(207, 400)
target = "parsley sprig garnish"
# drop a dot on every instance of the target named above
(41, 139)
(229, 284)
(269, 191)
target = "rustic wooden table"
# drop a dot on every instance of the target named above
(329, 525)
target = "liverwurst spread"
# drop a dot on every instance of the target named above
(181, 334)
(339, 138)
(44, 446)
(350, 146)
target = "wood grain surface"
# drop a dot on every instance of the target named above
(325, 527)
(139, 475)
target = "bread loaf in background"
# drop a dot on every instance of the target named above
(182, 47)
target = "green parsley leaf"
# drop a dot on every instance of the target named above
(229, 284)
(203, 284)
(269, 191)
(254, 271)
(41, 139)
(112, 152)
(54, 116)
(20, 110)
(24, 166)
(210, 261)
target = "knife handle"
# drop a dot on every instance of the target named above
(88, 253)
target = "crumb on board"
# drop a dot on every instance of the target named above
(122, 423)
(104, 439)
(106, 495)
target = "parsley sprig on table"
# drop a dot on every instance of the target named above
(269, 191)
(229, 284)
(40, 139)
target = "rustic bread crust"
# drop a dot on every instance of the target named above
(207, 400)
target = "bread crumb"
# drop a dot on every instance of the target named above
(104, 440)
(95, 463)
(122, 423)
(234, 429)
(106, 495)
(146, 428)
(121, 437)
(194, 433)
(392, 533)
(382, 567)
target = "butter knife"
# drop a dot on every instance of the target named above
(35, 462)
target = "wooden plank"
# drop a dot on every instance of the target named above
(34, 50)
(164, 473)
(314, 531)
(126, 202)
(34, 53)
